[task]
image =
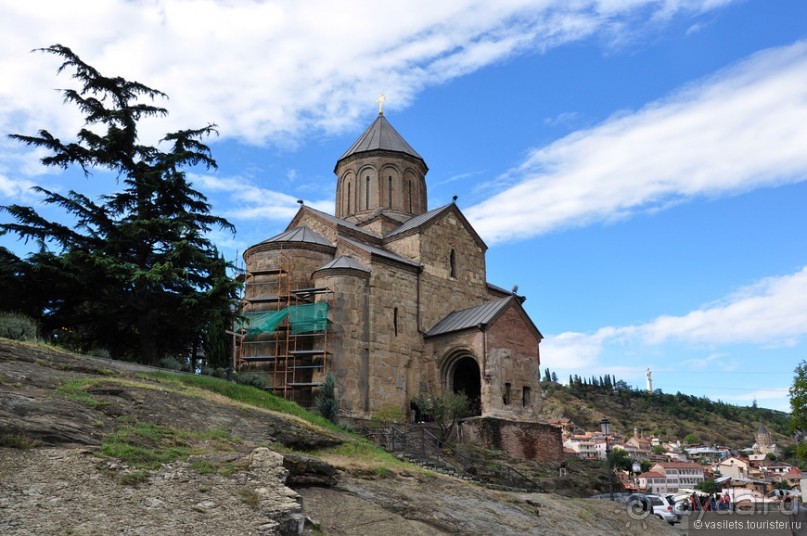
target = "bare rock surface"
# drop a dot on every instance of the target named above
(415, 506)
(66, 486)
(49, 491)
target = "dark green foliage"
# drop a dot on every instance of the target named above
(13, 440)
(621, 460)
(709, 486)
(326, 402)
(169, 363)
(134, 272)
(218, 344)
(18, 292)
(445, 409)
(18, 327)
(692, 439)
(798, 400)
(250, 378)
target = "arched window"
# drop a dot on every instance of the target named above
(348, 198)
(389, 180)
(410, 195)
(367, 192)
(452, 264)
(395, 321)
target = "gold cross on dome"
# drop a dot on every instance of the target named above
(380, 100)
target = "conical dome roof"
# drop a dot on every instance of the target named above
(380, 135)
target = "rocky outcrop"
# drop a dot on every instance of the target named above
(283, 506)
(57, 491)
(307, 471)
(67, 486)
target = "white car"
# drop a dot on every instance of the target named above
(680, 507)
(663, 509)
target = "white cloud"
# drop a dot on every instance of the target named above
(18, 190)
(743, 128)
(270, 71)
(760, 394)
(251, 202)
(776, 398)
(772, 312)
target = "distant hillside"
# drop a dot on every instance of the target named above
(667, 416)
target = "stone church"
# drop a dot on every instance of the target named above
(389, 296)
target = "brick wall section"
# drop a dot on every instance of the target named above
(512, 357)
(524, 440)
(507, 352)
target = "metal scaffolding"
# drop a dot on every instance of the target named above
(288, 336)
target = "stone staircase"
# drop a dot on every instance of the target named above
(417, 445)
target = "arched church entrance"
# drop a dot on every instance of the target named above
(464, 377)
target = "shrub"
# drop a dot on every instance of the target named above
(18, 327)
(250, 378)
(387, 415)
(169, 363)
(215, 372)
(326, 402)
(445, 409)
(17, 441)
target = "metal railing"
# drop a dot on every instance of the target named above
(424, 445)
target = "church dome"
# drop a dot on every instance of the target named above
(380, 136)
(379, 173)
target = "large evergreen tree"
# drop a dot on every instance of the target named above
(798, 408)
(134, 273)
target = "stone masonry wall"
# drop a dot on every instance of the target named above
(379, 168)
(396, 345)
(350, 348)
(441, 293)
(297, 264)
(524, 440)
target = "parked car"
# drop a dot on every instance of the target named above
(680, 507)
(638, 504)
(663, 509)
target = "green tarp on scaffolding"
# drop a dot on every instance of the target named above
(309, 317)
(302, 318)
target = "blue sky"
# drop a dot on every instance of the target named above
(637, 167)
